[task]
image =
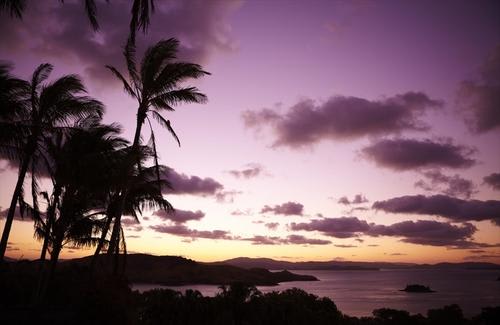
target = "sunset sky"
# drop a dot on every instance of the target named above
(354, 130)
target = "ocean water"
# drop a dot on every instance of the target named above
(358, 293)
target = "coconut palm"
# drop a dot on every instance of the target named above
(52, 108)
(155, 85)
(14, 7)
(143, 194)
(141, 11)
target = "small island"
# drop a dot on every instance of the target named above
(417, 288)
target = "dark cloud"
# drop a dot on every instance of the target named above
(250, 171)
(301, 240)
(183, 231)
(480, 257)
(397, 254)
(342, 118)
(290, 240)
(344, 227)
(409, 154)
(131, 224)
(193, 185)
(179, 216)
(288, 209)
(358, 199)
(272, 225)
(493, 180)
(453, 185)
(422, 232)
(51, 30)
(373, 245)
(444, 206)
(480, 99)
(478, 251)
(345, 246)
(428, 232)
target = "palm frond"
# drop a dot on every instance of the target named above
(128, 89)
(155, 58)
(141, 10)
(166, 124)
(172, 98)
(129, 53)
(173, 73)
(14, 7)
(91, 10)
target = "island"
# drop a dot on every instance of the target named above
(176, 270)
(417, 288)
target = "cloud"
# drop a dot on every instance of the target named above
(408, 154)
(251, 171)
(428, 232)
(345, 246)
(192, 185)
(51, 30)
(480, 99)
(287, 209)
(454, 209)
(179, 216)
(493, 180)
(131, 224)
(272, 225)
(397, 254)
(183, 231)
(227, 196)
(239, 212)
(343, 227)
(290, 240)
(454, 185)
(481, 257)
(342, 118)
(358, 199)
(301, 240)
(422, 232)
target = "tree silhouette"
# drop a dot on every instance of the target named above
(141, 12)
(155, 87)
(15, 8)
(52, 108)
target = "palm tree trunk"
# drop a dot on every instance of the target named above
(13, 203)
(114, 243)
(105, 229)
(50, 221)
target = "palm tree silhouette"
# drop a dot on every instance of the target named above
(78, 162)
(143, 194)
(52, 107)
(141, 12)
(14, 7)
(155, 87)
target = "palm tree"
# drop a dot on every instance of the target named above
(141, 11)
(155, 87)
(144, 194)
(14, 7)
(52, 108)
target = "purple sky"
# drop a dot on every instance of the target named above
(361, 130)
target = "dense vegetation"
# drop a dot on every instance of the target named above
(80, 298)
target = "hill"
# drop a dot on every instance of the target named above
(174, 270)
(271, 264)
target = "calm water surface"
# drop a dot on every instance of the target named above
(358, 293)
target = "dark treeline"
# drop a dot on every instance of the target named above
(103, 299)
